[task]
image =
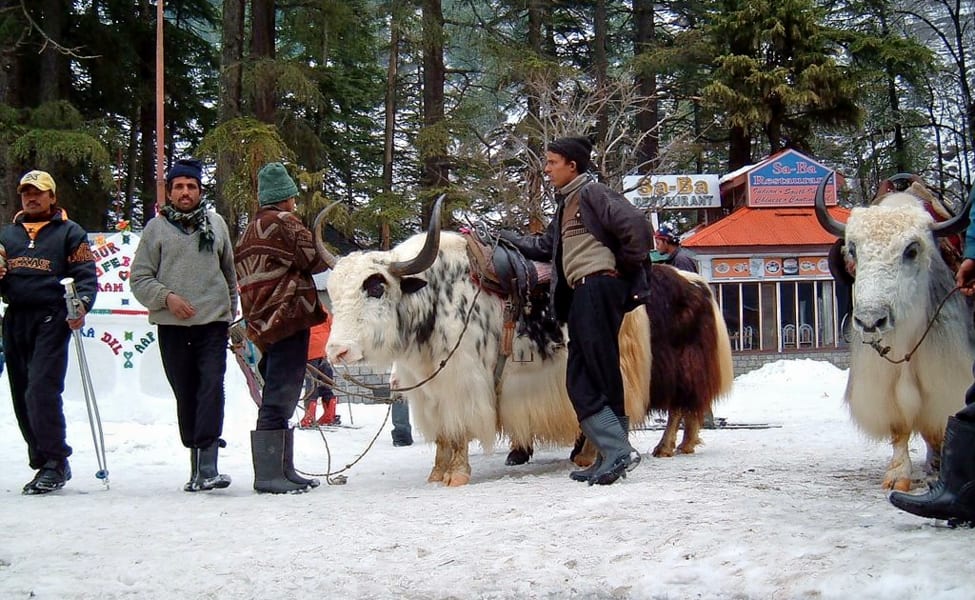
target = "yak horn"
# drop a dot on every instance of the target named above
(428, 253)
(957, 223)
(327, 256)
(825, 219)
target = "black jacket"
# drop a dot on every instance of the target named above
(34, 271)
(612, 220)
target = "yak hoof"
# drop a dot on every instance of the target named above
(901, 484)
(662, 452)
(457, 479)
(518, 456)
(436, 476)
(686, 449)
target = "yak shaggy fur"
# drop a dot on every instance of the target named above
(900, 281)
(415, 321)
(692, 361)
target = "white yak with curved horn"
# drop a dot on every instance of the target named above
(900, 280)
(410, 306)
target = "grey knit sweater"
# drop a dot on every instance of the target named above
(169, 260)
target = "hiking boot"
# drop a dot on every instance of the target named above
(51, 477)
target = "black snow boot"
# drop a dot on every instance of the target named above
(208, 477)
(191, 485)
(52, 476)
(587, 473)
(267, 448)
(289, 462)
(952, 497)
(605, 431)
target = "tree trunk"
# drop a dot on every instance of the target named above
(601, 65)
(533, 176)
(262, 49)
(56, 81)
(231, 98)
(389, 128)
(648, 152)
(436, 169)
(739, 148)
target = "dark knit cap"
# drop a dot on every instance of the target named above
(274, 184)
(186, 167)
(575, 149)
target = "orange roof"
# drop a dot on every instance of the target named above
(783, 226)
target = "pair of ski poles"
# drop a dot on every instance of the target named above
(94, 419)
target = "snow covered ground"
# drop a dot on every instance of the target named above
(794, 511)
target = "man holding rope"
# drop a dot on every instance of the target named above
(275, 259)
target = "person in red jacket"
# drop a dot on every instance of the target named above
(318, 360)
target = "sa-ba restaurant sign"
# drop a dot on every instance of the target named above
(658, 192)
(788, 179)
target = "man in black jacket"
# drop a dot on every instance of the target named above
(599, 245)
(41, 247)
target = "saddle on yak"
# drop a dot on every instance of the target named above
(499, 268)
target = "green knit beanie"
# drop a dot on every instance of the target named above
(274, 184)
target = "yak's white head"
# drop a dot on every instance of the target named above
(367, 290)
(899, 273)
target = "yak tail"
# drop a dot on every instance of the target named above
(725, 375)
(636, 363)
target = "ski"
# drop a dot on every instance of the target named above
(331, 426)
(719, 423)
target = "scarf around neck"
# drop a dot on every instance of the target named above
(196, 218)
(573, 186)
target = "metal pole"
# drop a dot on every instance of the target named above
(160, 111)
(94, 419)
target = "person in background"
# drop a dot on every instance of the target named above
(275, 259)
(952, 497)
(400, 413)
(667, 242)
(598, 244)
(319, 390)
(40, 248)
(183, 273)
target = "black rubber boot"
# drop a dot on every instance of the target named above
(289, 462)
(208, 477)
(587, 473)
(952, 497)
(193, 485)
(267, 448)
(605, 431)
(51, 477)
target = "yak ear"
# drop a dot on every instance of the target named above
(411, 285)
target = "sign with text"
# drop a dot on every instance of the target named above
(789, 179)
(113, 260)
(674, 192)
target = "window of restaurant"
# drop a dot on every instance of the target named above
(779, 315)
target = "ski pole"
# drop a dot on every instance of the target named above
(94, 419)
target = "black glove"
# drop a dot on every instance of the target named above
(509, 236)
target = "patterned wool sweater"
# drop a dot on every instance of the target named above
(275, 259)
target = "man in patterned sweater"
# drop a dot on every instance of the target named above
(275, 260)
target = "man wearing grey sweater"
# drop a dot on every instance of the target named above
(183, 272)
